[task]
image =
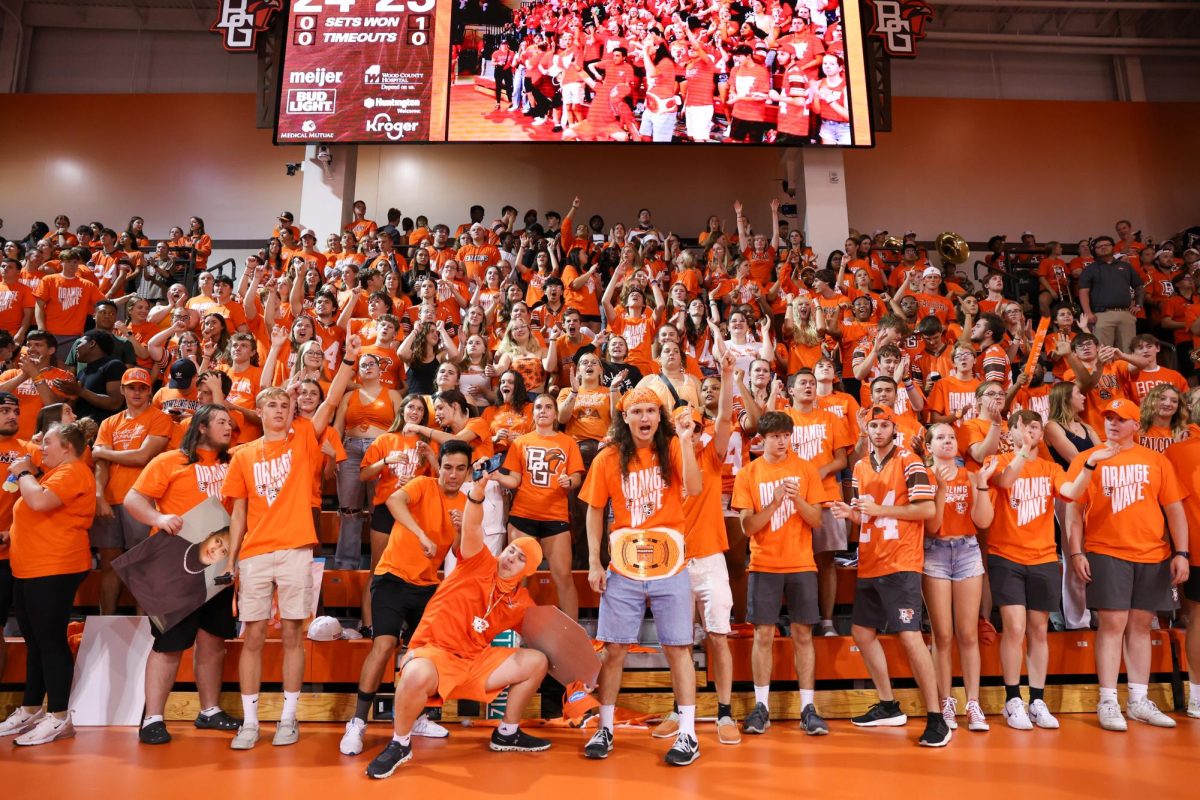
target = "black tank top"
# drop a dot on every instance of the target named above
(421, 375)
(1081, 443)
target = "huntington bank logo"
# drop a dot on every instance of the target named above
(900, 24)
(241, 21)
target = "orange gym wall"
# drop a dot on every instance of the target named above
(973, 166)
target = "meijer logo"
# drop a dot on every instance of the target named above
(316, 77)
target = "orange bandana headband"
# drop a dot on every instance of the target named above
(639, 395)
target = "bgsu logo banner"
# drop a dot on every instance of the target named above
(900, 24)
(241, 21)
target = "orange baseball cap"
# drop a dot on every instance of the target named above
(136, 375)
(1125, 409)
(881, 412)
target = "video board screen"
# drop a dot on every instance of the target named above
(782, 72)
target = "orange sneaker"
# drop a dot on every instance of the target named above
(668, 728)
(727, 731)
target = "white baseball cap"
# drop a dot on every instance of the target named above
(325, 629)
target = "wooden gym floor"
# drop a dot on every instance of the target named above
(1077, 761)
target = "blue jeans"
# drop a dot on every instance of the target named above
(353, 498)
(623, 605)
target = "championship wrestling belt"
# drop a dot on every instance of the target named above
(646, 554)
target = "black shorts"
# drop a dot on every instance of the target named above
(397, 605)
(214, 617)
(1037, 587)
(382, 519)
(767, 591)
(888, 603)
(753, 130)
(6, 592)
(1120, 585)
(1191, 588)
(538, 528)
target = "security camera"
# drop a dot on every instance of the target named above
(323, 155)
(292, 169)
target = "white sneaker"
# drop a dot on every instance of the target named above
(976, 720)
(539, 121)
(827, 629)
(1194, 707)
(1039, 712)
(1145, 711)
(950, 711)
(426, 727)
(20, 721)
(48, 729)
(1110, 716)
(287, 731)
(246, 738)
(1016, 716)
(352, 739)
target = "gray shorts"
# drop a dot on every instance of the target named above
(1120, 585)
(830, 536)
(1036, 587)
(953, 559)
(767, 591)
(118, 532)
(889, 603)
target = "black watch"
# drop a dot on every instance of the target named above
(23, 473)
(1186, 554)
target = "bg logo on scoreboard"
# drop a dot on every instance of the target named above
(311, 101)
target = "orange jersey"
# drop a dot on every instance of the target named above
(12, 448)
(177, 486)
(887, 545)
(121, 433)
(640, 499)
(276, 480)
(430, 508)
(1022, 530)
(540, 460)
(406, 462)
(68, 302)
(1124, 503)
(55, 542)
(816, 436)
(785, 543)
(994, 365)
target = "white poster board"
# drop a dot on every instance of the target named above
(110, 671)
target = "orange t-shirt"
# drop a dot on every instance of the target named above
(476, 259)
(539, 460)
(12, 448)
(1107, 389)
(68, 303)
(639, 499)
(705, 519)
(785, 543)
(1124, 504)
(14, 300)
(121, 433)
(1137, 384)
(29, 402)
(1022, 529)
(177, 486)
(951, 394)
(470, 591)
(592, 415)
(431, 508)
(169, 400)
(276, 480)
(638, 333)
(498, 418)
(816, 435)
(956, 512)
(887, 545)
(843, 406)
(407, 462)
(55, 542)
(1185, 458)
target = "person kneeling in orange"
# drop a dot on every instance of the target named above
(450, 654)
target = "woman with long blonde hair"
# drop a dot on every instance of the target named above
(520, 351)
(1164, 418)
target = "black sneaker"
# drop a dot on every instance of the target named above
(937, 732)
(219, 721)
(520, 741)
(154, 733)
(758, 720)
(384, 764)
(600, 745)
(811, 722)
(884, 714)
(685, 750)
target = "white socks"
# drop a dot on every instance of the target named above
(152, 719)
(290, 701)
(761, 693)
(508, 728)
(606, 716)
(687, 720)
(1108, 695)
(404, 740)
(1137, 692)
(250, 710)
(1194, 688)
(807, 697)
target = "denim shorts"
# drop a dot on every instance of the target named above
(954, 559)
(623, 605)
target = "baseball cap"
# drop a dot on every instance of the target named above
(881, 412)
(878, 231)
(931, 272)
(136, 375)
(1125, 409)
(8, 399)
(182, 373)
(325, 629)
(578, 703)
(583, 351)
(286, 215)
(307, 233)
(1028, 233)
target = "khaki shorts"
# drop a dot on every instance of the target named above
(710, 589)
(287, 571)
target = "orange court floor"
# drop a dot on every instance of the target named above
(1077, 761)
